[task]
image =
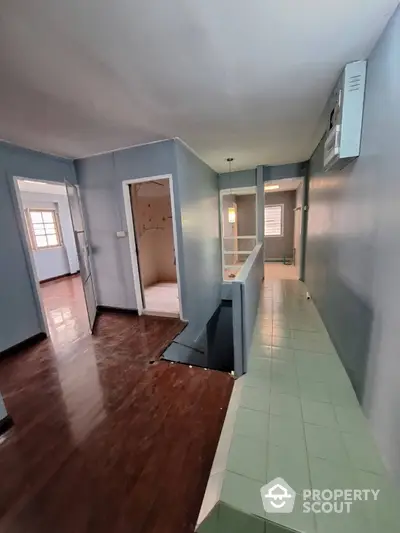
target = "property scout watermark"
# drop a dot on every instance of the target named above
(279, 497)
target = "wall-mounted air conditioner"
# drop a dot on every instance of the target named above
(345, 112)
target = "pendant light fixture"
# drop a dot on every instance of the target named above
(232, 209)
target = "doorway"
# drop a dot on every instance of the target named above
(149, 204)
(57, 252)
(238, 228)
(283, 221)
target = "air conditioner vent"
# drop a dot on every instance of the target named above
(344, 112)
(355, 83)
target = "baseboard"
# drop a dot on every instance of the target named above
(6, 424)
(161, 314)
(27, 343)
(59, 277)
(110, 309)
(278, 260)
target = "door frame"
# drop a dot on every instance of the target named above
(28, 252)
(137, 282)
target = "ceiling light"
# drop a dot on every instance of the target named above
(271, 187)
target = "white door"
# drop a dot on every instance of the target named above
(83, 250)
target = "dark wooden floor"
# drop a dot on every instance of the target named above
(104, 441)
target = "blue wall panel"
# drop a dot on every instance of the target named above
(100, 179)
(240, 178)
(197, 217)
(20, 311)
(353, 253)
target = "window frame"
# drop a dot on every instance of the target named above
(282, 233)
(31, 232)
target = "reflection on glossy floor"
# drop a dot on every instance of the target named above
(103, 440)
(64, 304)
(280, 271)
(162, 298)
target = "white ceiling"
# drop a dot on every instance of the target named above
(246, 79)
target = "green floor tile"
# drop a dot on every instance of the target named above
(242, 493)
(259, 365)
(282, 383)
(343, 394)
(282, 332)
(248, 457)
(312, 346)
(282, 354)
(262, 381)
(329, 475)
(210, 523)
(283, 367)
(354, 522)
(326, 443)
(286, 405)
(297, 520)
(261, 351)
(321, 337)
(264, 338)
(384, 513)
(255, 398)
(318, 413)
(314, 390)
(312, 370)
(292, 466)
(285, 432)
(264, 326)
(351, 419)
(231, 520)
(251, 424)
(363, 452)
(281, 342)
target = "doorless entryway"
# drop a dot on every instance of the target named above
(151, 227)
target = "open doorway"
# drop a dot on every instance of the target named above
(283, 221)
(51, 226)
(238, 228)
(149, 204)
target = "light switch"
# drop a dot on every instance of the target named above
(121, 234)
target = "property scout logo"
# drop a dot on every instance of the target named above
(279, 497)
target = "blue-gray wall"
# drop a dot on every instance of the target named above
(100, 180)
(20, 311)
(240, 178)
(3, 411)
(353, 251)
(197, 219)
(245, 295)
(281, 172)
(199, 216)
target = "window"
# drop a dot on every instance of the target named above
(273, 220)
(44, 229)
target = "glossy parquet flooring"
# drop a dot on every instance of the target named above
(105, 441)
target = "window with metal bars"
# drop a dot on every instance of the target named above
(273, 220)
(44, 228)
